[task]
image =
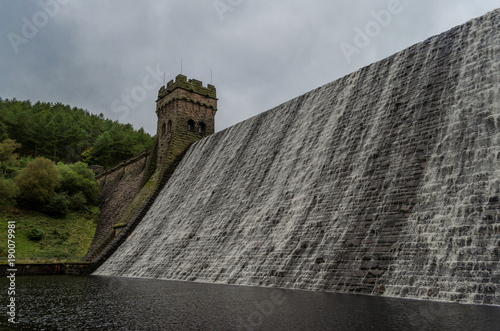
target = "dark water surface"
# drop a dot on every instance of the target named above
(115, 303)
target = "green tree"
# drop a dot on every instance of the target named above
(58, 205)
(8, 159)
(38, 182)
(8, 192)
(78, 201)
(87, 155)
(77, 177)
(102, 153)
(3, 126)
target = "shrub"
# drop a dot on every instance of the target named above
(35, 234)
(8, 192)
(58, 205)
(38, 182)
(78, 201)
(77, 178)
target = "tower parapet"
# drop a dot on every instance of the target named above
(192, 85)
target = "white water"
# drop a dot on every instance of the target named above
(384, 181)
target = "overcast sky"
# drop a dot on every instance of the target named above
(110, 56)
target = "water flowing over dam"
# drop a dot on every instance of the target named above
(386, 181)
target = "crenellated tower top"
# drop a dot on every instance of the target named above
(192, 85)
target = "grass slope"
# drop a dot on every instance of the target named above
(65, 239)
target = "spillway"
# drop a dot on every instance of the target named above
(384, 182)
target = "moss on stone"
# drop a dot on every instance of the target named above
(141, 197)
(119, 225)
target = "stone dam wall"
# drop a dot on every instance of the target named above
(118, 186)
(384, 182)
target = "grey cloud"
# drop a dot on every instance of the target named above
(93, 53)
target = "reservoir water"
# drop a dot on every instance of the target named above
(119, 303)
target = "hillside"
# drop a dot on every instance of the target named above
(44, 187)
(62, 133)
(61, 240)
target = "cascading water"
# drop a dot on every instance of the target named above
(386, 181)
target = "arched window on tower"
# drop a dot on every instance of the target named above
(201, 128)
(169, 126)
(190, 125)
(163, 129)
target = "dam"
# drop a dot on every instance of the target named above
(384, 182)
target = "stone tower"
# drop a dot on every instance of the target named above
(186, 111)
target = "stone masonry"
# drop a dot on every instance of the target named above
(186, 112)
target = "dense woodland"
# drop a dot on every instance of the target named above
(61, 133)
(45, 151)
